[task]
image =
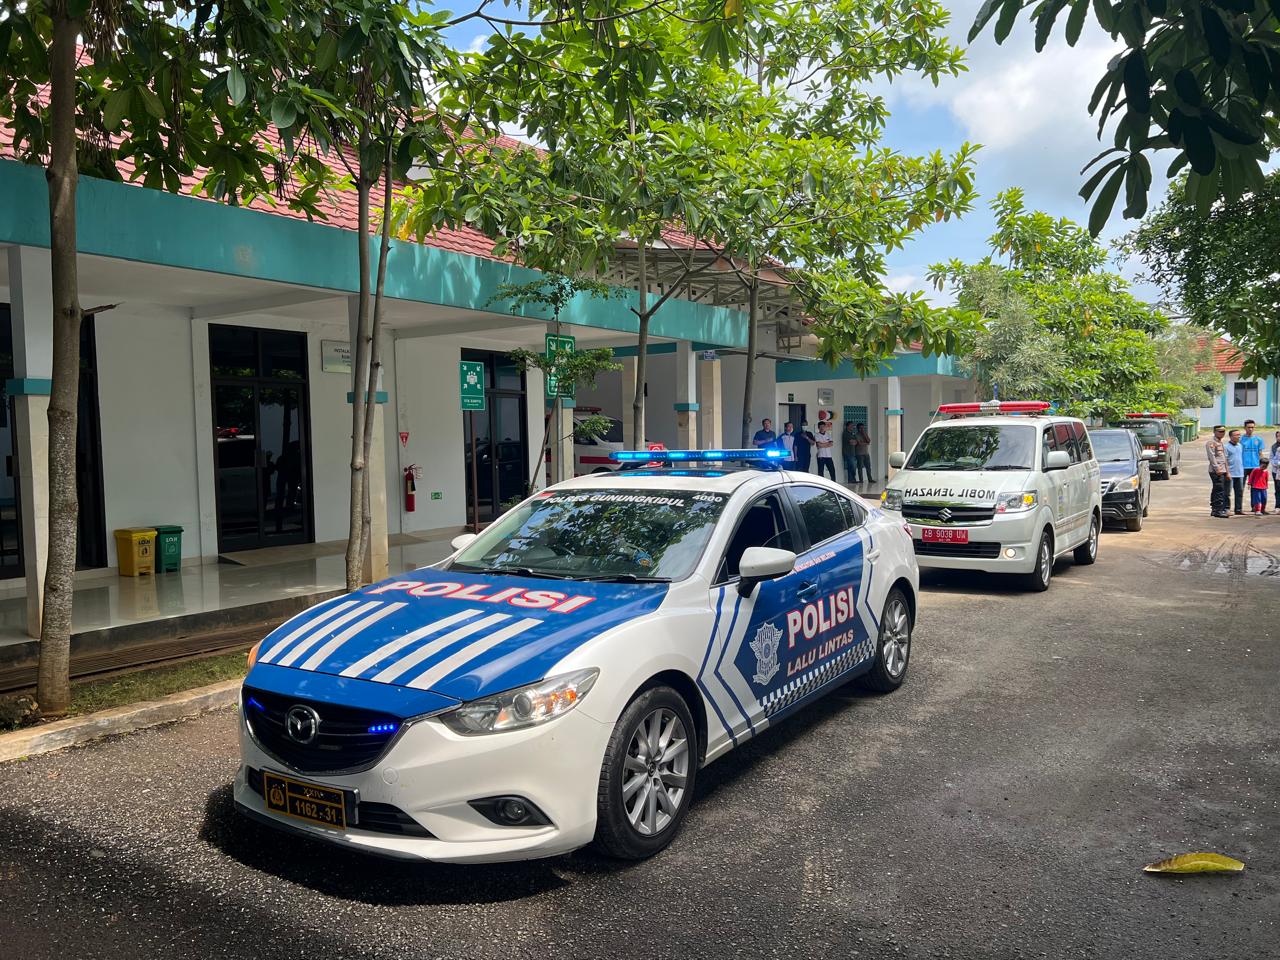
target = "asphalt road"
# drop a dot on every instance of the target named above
(1001, 804)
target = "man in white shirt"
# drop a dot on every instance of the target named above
(787, 441)
(826, 464)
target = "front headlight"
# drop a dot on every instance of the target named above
(1015, 502)
(1128, 483)
(522, 707)
(891, 500)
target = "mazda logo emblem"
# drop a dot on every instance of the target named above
(944, 515)
(301, 724)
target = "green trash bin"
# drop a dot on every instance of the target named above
(168, 548)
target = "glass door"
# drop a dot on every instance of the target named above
(495, 440)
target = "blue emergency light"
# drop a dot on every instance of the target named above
(702, 456)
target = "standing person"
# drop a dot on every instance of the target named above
(1252, 446)
(803, 448)
(1275, 464)
(1235, 468)
(787, 441)
(1219, 494)
(848, 452)
(1258, 478)
(764, 436)
(862, 448)
(825, 442)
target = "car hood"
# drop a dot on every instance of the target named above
(979, 487)
(1117, 468)
(460, 635)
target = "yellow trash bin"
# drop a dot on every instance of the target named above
(136, 550)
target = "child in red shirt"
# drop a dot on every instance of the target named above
(1258, 477)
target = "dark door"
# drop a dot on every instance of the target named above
(10, 510)
(261, 437)
(91, 532)
(495, 440)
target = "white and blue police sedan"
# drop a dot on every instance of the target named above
(565, 674)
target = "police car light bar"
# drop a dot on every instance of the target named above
(703, 456)
(995, 406)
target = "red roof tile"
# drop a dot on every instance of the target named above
(1226, 358)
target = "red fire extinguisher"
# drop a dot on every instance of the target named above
(410, 491)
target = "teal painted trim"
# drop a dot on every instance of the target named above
(655, 349)
(28, 387)
(895, 413)
(150, 226)
(1269, 415)
(379, 397)
(903, 365)
(1222, 403)
(568, 403)
(686, 408)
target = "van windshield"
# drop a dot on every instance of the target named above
(975, 446)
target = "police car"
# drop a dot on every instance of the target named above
(564, 675)
(1001, 487)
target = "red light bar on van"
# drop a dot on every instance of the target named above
(995, 406)
(1149, 416)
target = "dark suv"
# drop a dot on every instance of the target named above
(1126, 476)
(1155, 433)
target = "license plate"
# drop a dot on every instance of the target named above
(324, 806)
(938, 535)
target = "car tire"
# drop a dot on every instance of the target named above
(633, 827)
(1087, 552)
(1146, 507)
(1175, 470)
(1134, 524)
(1038, 579)
(893, 645)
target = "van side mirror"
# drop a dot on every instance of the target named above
(898, 459)
(759, 564)
(1057, 460)
(461, 540)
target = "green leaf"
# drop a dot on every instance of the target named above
(326, 51)
(985, 13)
(1008, 15)
(283, 112)
(352, 42)
(1075, 21)
(1198, 144)
(1187, 87)
(76, 9)
(1104, 203)
(236, 86)
(117, 106)
(150, 102)
(1215, 34)
(1259, 72)
(1137, 86)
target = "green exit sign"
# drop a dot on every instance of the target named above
(437, 495)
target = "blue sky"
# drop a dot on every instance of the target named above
(1029, 112)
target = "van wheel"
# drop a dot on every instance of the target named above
(1038, 579)
(1087, 552)
(647, 777)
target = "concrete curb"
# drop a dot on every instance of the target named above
(49, 737)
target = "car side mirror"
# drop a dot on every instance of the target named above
(898, 459)
(1057, 460)
(461, 540)
(759, 564)
(1147, 455)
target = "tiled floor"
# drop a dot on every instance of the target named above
(113, 601)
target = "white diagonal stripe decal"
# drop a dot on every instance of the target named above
(395, 646)
(314, 622)
(411, 660)
(322, 654)
(470, 652)
(303, 646)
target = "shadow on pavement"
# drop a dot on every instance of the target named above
(351, 875)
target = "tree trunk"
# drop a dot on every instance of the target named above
(54, 675)
(642, 352)
(753, 309)
(360, 393)
(375, 355)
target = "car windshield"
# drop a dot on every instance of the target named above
(1110, 446)
(612, 534)
(975, 446)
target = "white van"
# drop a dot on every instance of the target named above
(1000, 487)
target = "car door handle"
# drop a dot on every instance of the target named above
(873, 555)
(807, 590)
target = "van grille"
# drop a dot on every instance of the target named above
(957, 513)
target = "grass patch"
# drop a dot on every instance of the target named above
(89, 696)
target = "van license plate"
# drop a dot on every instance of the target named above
(937, 535)
(324, 806)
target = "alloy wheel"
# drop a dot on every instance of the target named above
(656, 772)
(1046, 561)
(897, 638)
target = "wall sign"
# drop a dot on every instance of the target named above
(335, 356)
(826, 396)
(471, 384)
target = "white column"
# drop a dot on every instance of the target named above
(894, 414)
(628, 398)
(31, 308)
(686, 396)
(709, 405)
(376, 563)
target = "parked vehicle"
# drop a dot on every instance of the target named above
(1156, 433)
(565, 675)
(595, 454)
(1001, 487)
(1126, 476)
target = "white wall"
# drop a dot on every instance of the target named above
(426, 405)
(764, 403)
(1237, 414)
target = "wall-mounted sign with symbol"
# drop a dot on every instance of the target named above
(404, 438)
(471, 384)
(556, 385)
